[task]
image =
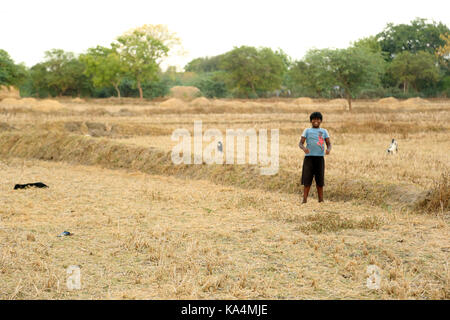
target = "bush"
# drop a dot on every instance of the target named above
(156, 89)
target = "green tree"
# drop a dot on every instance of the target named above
(104, 67)
(11, 73)
(142, 50)
(39, 81)
(419, 35)
(55, 63)
(206, 64)
(251, 70)
(64, 72)
(371, 43)
(355, 68)
(351, 69)
(61, 73)
(311, 74)
(211, 84)
(414, 68)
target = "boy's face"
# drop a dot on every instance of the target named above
(316, 122)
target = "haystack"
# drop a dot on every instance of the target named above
(303, 100)
(9, 92)
(47, 105)
(389, 100)
(78, 100)
(29, 101)
(200, 102)
(11, 102)
(184, 92)
(412, 102)
(173, 103)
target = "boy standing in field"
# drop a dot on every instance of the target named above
(314, 162)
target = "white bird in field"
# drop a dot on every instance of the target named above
(393, 148)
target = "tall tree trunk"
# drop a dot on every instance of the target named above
(141, 95)
(349, 100)
(117, 90)
(405, 86)
(253, 88)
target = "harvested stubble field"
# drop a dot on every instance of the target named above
(144, 228)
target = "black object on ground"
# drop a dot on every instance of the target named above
(29, 185)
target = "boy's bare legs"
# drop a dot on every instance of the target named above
(320, 193)
(305, 193)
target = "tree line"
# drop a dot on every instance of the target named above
(402, 60)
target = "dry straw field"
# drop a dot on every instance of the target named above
(144, 228)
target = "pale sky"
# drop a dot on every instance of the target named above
(206, 27)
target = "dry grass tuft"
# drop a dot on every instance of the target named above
(332, 222)
(281, 105)
(97, 129)
(303, 101)
(437, 199)
(338, 102)
(5, 127)
(253, 105)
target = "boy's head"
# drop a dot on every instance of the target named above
(315, 118)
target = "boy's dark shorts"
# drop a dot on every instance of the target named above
(313, 166)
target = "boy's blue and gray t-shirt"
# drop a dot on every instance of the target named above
(315, 141)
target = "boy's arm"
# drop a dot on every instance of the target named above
(300, 144)
(328, 142)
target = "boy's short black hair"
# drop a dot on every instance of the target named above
(315, 115)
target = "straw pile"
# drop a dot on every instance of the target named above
(414, 102)
(78, 100)
(29, 101)
(200, 102)
(11, 103)
(46, 105)
(9, 92)
(184, 92)
(173, 103)
(389, 100)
